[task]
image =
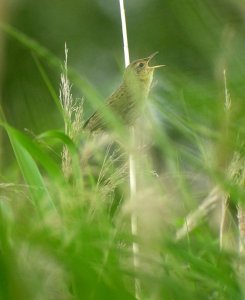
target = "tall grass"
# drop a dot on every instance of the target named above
(65, 223)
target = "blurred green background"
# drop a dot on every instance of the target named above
(196, 39)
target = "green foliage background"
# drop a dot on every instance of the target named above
(62, 239)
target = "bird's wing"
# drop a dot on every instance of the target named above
(94, 122)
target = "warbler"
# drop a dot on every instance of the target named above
(127, 101)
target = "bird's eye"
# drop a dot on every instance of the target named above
(141, 65)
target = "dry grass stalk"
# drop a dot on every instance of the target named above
(194, 218)
(237, 171)
(73, 112)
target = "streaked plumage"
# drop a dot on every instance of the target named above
(126, 102)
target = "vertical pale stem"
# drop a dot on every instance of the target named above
(132, 164)
(222, 221)
(227, 95)
(241, 227)
(134, 224)
(227, 106)
(124, 33)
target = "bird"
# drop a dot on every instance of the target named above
(128, 99)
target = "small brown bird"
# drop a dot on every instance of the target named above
(126, 102)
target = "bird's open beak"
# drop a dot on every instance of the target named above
(150, 58)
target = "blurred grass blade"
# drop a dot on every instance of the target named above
(65, 141)
(48, 83)
(48, 164)
(60, 136)
(85, 86)
(31, 44)
(29, 169)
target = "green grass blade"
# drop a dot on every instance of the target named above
(61, 137)
(48, 84)
(34, 150)
(29, 170)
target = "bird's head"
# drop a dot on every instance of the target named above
(140, 69)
